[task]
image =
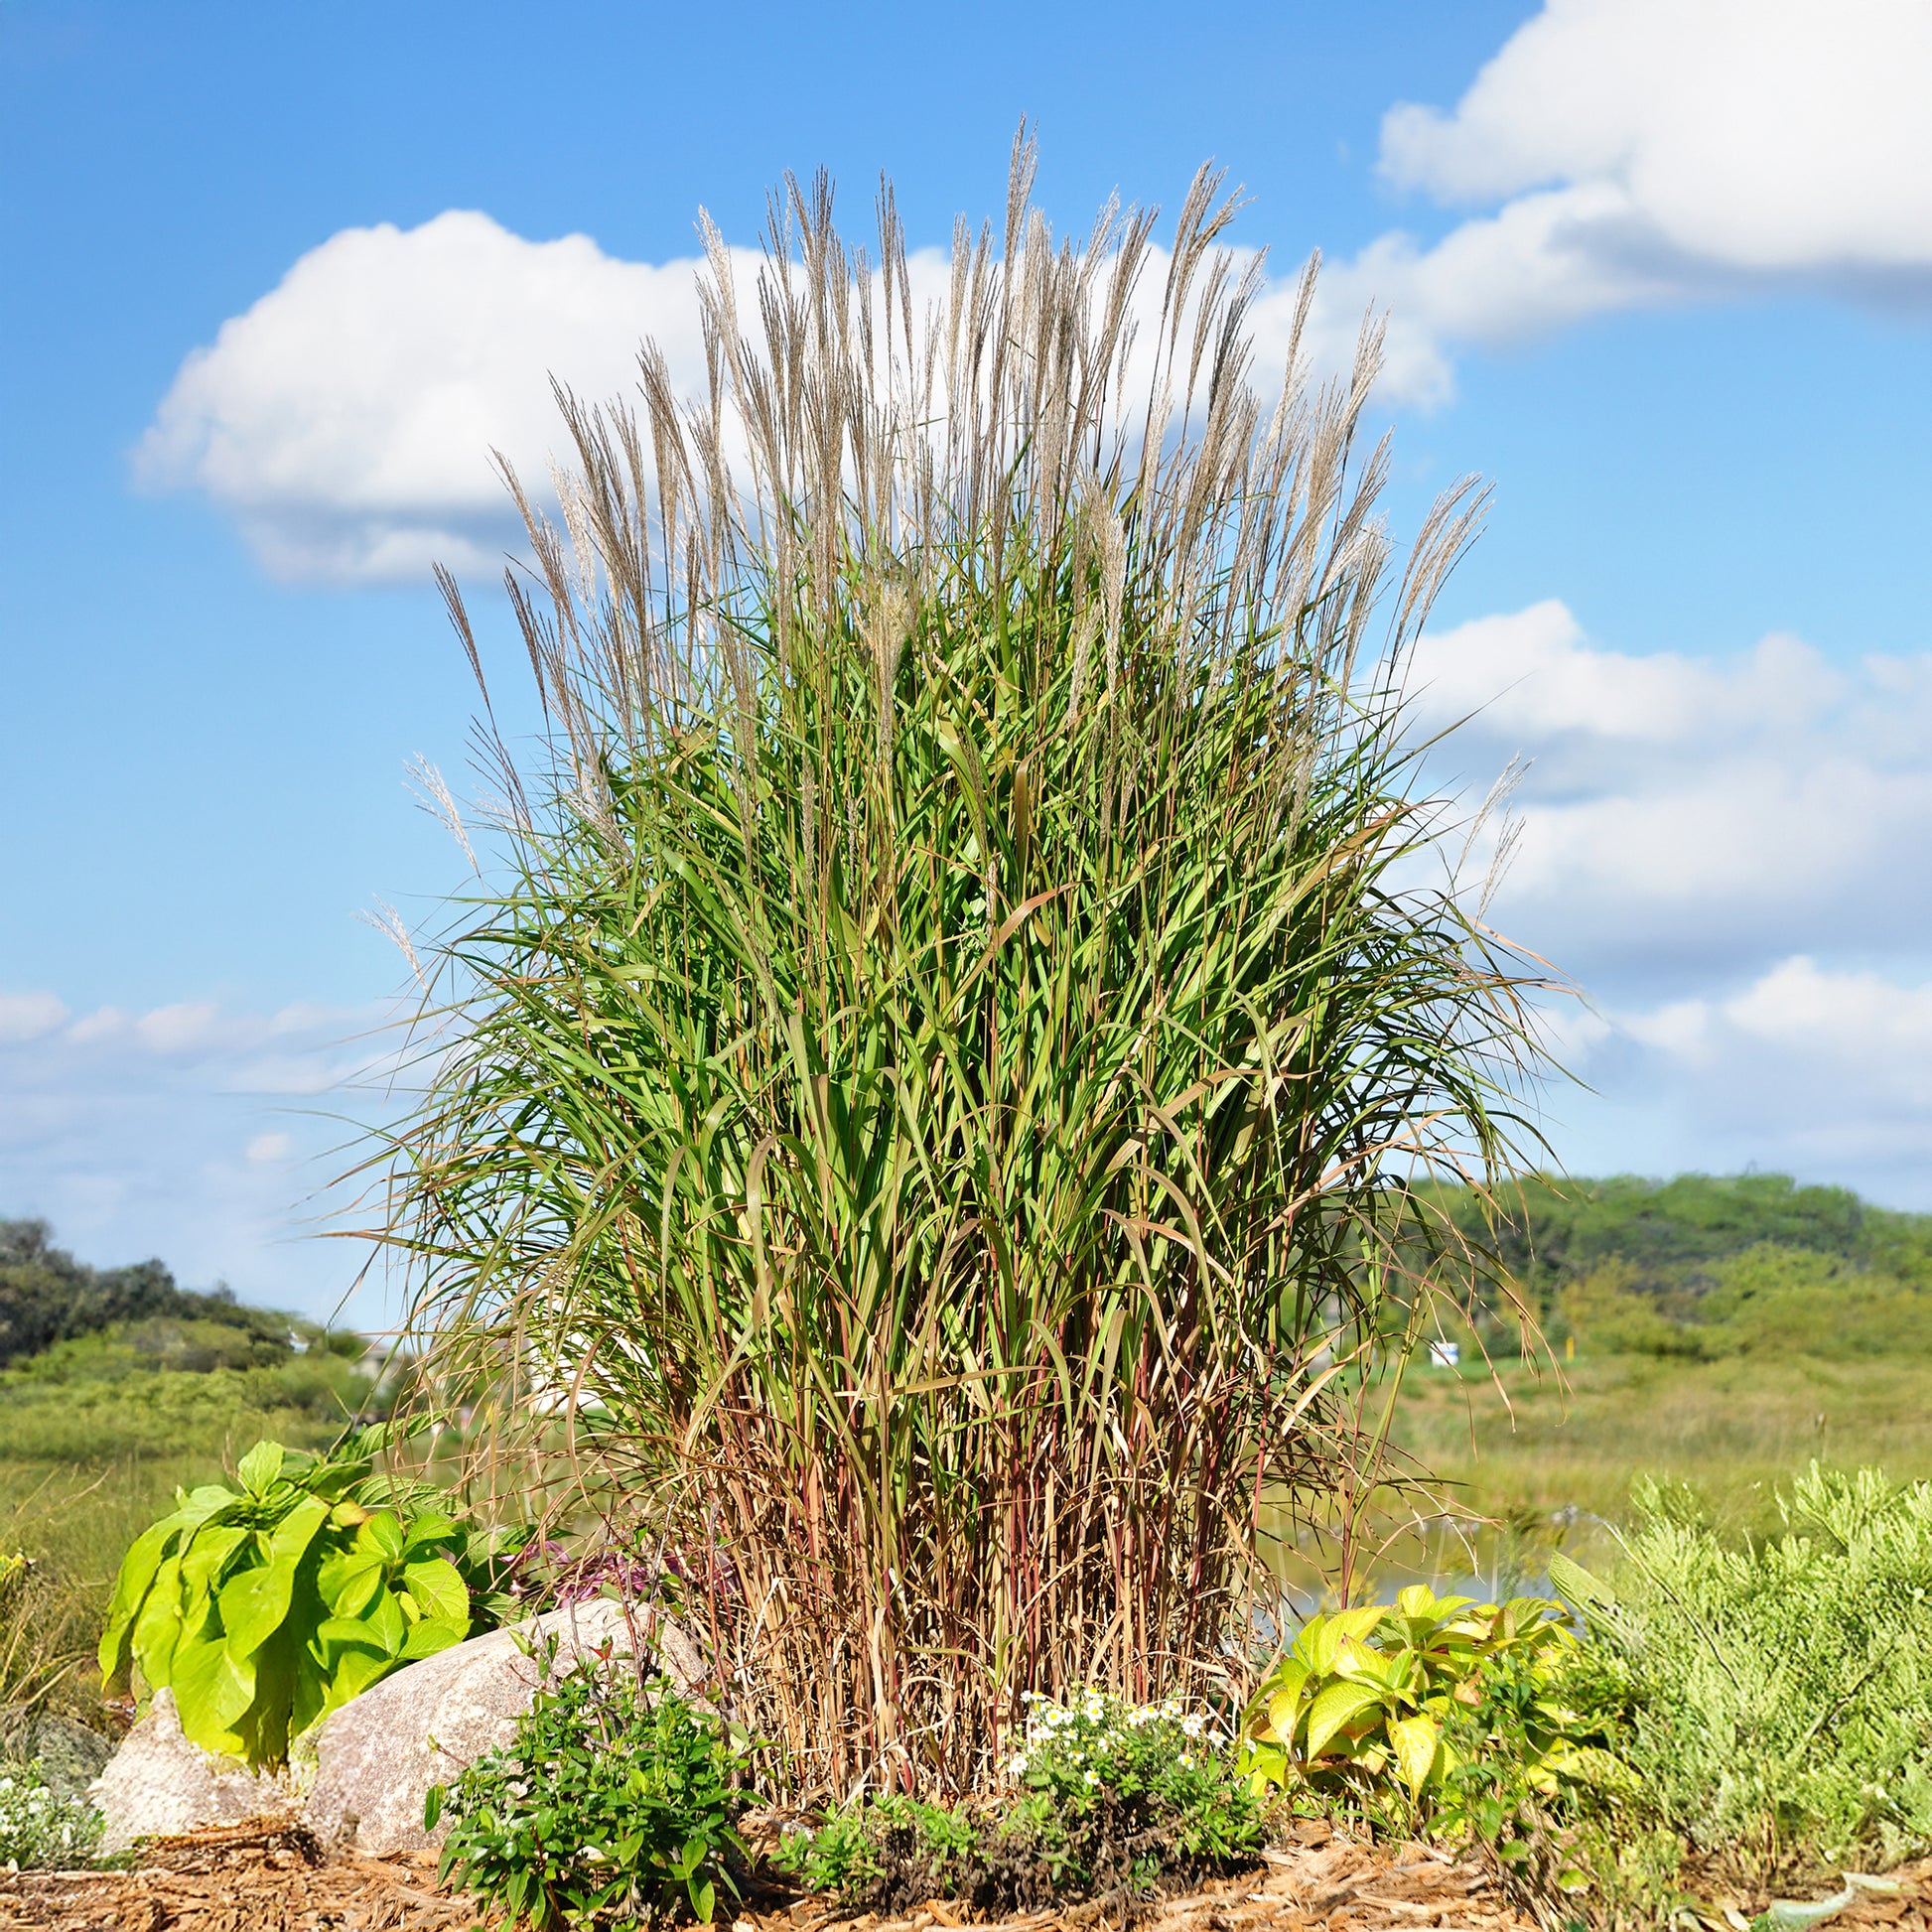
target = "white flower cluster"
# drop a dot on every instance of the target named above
(38, 1827)
(1089, 1733)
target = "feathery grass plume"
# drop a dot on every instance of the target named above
(927, 1113)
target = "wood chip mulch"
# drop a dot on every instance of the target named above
(271, 1876)
(267, 1876)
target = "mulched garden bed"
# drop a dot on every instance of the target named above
(271, 1876)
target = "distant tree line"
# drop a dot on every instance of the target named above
(46, 1297)
(1668, 1235)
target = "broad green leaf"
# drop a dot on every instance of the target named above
(131, 1585)
(381, 1536)
(434, 1633)
(299, 1528)
(1414, 1741)
(352, 1630)
(206, 1557)
(1284, 1706)
(1417, 1600)
(259, 1467)
(199, 1506)
(1344, 1627)
(429, 1528)
(385, 1617)
(212, 1690)
(349, 1581)
(1338, 1705)
(254, 1605)
(1265, 1764)
(159, 1626)
(439, 1590)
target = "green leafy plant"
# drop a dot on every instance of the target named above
(1382, 1702)
(40, 1827)
(1117, 1795)
(1102, 1796)
(266, 1605)
(885, 1853)
(612, 1806)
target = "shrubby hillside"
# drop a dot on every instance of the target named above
(1709, 1266)
(100, 1361)
(46, 1297)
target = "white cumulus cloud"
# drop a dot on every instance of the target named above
(1683, 815)
(1645, 151)
(1805, 1067)
(347, 418)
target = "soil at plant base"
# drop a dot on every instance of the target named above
(271, 1876)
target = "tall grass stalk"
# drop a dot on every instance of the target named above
(927, 1105)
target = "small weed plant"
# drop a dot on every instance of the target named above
(1106, 1797)
(613, 1808)
(40, 1827)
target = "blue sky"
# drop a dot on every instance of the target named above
(1662, 269)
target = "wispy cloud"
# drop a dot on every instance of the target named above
(197, 1131)
(1727, 854)
(1823, 1071)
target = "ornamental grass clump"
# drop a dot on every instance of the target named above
(922, 1113)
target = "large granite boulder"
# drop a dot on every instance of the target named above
(159, 1784)
(377, 1756)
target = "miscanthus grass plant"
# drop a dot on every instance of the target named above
(923, 1106)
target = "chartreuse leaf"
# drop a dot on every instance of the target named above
(349, 1581)
(1414, 1741)
(259, 1467)
(1265, 1764)
(205, 1560)
(1285, 1700)
(431, 1634)
(1335, 1707)
(1341, 1629)
(212, 1689)
(255, 1603)
(382, 1536)
(439, 1590)
(429, 1529)
(161, 1624)
(131, 1585)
